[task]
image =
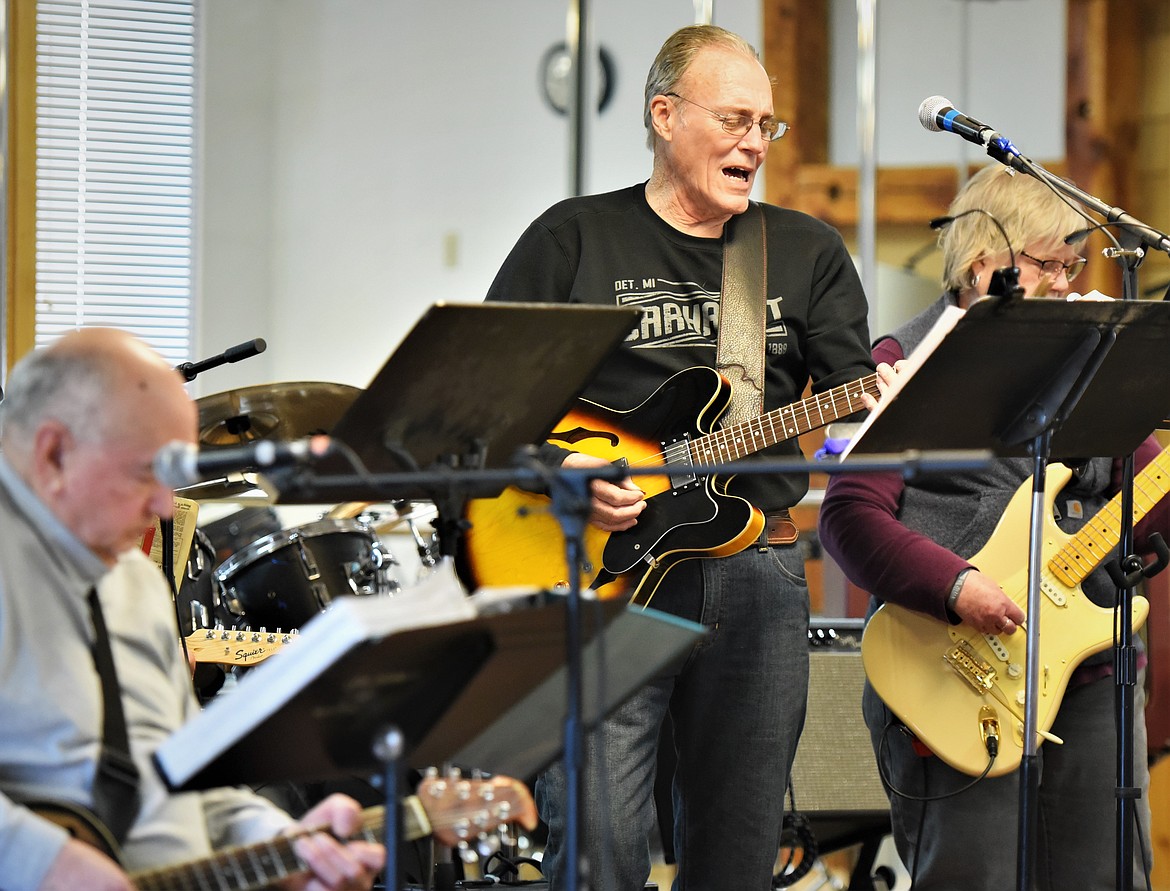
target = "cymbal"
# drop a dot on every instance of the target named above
(272, 411)
(399, 512)
(243, 487)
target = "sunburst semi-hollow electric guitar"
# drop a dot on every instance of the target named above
(514, 539)
(939, 678)
(451, 808)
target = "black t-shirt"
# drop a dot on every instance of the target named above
(612, 249)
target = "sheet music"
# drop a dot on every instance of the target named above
(439, 599)
(184, 519)
(942, 327)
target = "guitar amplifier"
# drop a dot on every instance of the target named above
(835, 783)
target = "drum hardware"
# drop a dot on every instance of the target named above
(309, 565)
(200, 617)
(380, 562)
(196, 567)
(403, 511)
(427, 547)
(197, 596)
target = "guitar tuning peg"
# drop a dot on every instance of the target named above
(486, 845)
(466, 854)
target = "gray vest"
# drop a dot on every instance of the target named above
(960, 511)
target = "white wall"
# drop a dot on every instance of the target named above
(999, 61)
(350, 146)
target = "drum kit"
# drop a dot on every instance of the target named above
(246, 572)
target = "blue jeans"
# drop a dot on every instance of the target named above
(971, 840)
(737, 704)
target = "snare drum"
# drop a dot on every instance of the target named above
(284, 579)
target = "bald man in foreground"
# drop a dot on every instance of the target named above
(82, 421)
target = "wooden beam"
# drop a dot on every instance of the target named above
(796, 55)
(1103, 106)
(904, 194)
(798, 174)
(21, 190)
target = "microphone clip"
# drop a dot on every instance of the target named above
(1005, 283)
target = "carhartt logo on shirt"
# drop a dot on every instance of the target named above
(684, 314)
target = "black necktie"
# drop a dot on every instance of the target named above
(115, 784)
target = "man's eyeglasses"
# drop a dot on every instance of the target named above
(740, 124)
(1053, 267)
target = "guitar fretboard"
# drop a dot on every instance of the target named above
(249, 867)
(778, 425)
(1083, 552)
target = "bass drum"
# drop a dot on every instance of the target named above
(282, 580)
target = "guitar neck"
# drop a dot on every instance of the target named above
(248, 867)
(781, 424)
(1084, 551)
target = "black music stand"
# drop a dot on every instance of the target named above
(469, 681)
(468, 386)
(1037, 378)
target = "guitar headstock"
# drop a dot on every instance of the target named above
(235, 646)
(460, 809)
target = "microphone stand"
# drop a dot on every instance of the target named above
(191, 370)
(1126, 572)
(1129, 253)
(166, 527)
(569, 493)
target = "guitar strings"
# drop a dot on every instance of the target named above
(697, 447)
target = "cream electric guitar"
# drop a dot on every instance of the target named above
(939, 678)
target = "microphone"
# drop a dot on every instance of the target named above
(937, 113)
(181, 464)
(190, 370)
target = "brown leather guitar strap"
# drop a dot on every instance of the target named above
(739, 351)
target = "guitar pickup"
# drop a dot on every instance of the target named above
(1052, 592)
(679, 464)
(967, 664)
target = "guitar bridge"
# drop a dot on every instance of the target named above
(978, 673)
(679, 464)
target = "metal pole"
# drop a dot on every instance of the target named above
(580, 41)
(866, 131)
